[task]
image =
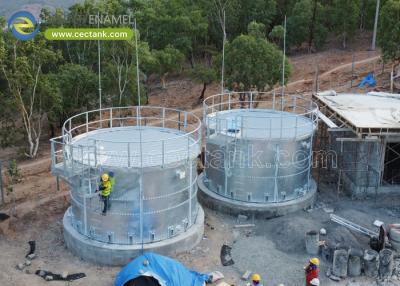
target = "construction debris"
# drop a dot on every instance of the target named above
(226, 258)
(223, 284)
(386, 264)
(355, 262)
(378, 223)
(371, 263)
(340, 263)
(246, 275)
(49, 276)
(216, 276)
(312, 242)
(328, 210)
(244, 225)
(352, 226)
(32, 248)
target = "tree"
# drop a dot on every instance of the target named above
(276, 35)
(253, 63)
(389, 30)
(167, 61)
(77, 86)
(256, 29)
(204, 75)
(345, 15)
(181, 24)
(306, 24)
(23, 65)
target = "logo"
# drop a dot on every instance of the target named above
(23, 25)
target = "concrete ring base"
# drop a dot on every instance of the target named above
(117, 255)
(225, 205)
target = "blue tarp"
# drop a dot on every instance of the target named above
(368, 80)
(167, 271)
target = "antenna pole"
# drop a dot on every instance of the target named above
(284, 57)
(99, 66)
(139, 122)
(137, 64)
(223, 53)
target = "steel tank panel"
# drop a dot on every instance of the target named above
(165, 205)
(254, 170)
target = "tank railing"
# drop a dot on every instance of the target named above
(79, 157)
(221, 125)
(63, 151)
(182, 119)
(298, 108)
(293, 106)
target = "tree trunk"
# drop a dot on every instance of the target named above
(201, 98)
(163, 81)
(312, 26)
(192, 63)
(344, 40)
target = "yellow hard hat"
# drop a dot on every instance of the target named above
(256, 277)
(314, 261)
(105, 177)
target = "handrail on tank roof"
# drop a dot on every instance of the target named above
(217, 100)
(68, 128)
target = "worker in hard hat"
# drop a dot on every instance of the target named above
(314, 282)
(256, 279)
(311, 271)
(105, 191)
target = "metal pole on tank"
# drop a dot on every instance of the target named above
(140, 139)
(283, 58)
(223, 54)
(223, 61)
(99, 66)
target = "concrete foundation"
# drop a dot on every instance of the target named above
(118, 255)
(222, 204)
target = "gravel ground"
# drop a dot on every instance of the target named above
(275, 248)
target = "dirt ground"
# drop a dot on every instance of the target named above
(275, 247)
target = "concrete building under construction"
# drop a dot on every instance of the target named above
(358, 146)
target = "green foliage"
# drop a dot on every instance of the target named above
(167, 61)
(13, 175)
(344, 17)
(77, 91)
(256, 29)
(306, 24)
(24, 66)
(177, 23)
(253, 63)
(389, 30)
(204, 75)
(277, 33)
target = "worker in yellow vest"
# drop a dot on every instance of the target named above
(105, 188)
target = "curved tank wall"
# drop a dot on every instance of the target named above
(259, 149)
(152, 153)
